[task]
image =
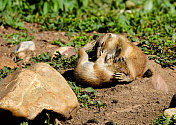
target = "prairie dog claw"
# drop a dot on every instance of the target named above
(89, 45)
(119, 76)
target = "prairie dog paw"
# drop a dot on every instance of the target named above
(119, 76)
(121, 59)
(89, 45)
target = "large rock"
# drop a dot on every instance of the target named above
(5, 61)
(28, 91)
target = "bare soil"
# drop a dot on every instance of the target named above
(136, 103)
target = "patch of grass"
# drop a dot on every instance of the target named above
(57, 62)
(162, 120)
(6, 71)
(78, 41)
(44, 57)
(85, 96)
(163, 48)
(57, 42)
(16, 38)
(24, 123)
(62, 62)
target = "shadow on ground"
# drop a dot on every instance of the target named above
(44, 118)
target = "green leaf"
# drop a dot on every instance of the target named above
(5, 70)
(56, 6)
(24, 123)
(174, 37)
(167, 121)
(85, 3)
(89, 89)
(85, 96)
(3, 4)
(9, 20)
(45, 8)
(61, 4)
(148, 5)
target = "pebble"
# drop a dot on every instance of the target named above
(114, 101)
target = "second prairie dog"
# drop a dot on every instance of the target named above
(119, 51)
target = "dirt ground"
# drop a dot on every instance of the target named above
(136, 103)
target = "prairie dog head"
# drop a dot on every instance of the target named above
(106, 40)
(108, 43)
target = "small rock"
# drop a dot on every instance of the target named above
(170, 112)
(24, 46)
(4, 61)
(93, 121)
(27, 92)
(159, 83)
(173, 102)
(66, 51)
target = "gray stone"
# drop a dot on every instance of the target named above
(27, 92)
(25, 46)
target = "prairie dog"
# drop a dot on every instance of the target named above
(94, 74)
(118, 47)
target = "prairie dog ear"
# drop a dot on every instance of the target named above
(111, 35)
(121, 38)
